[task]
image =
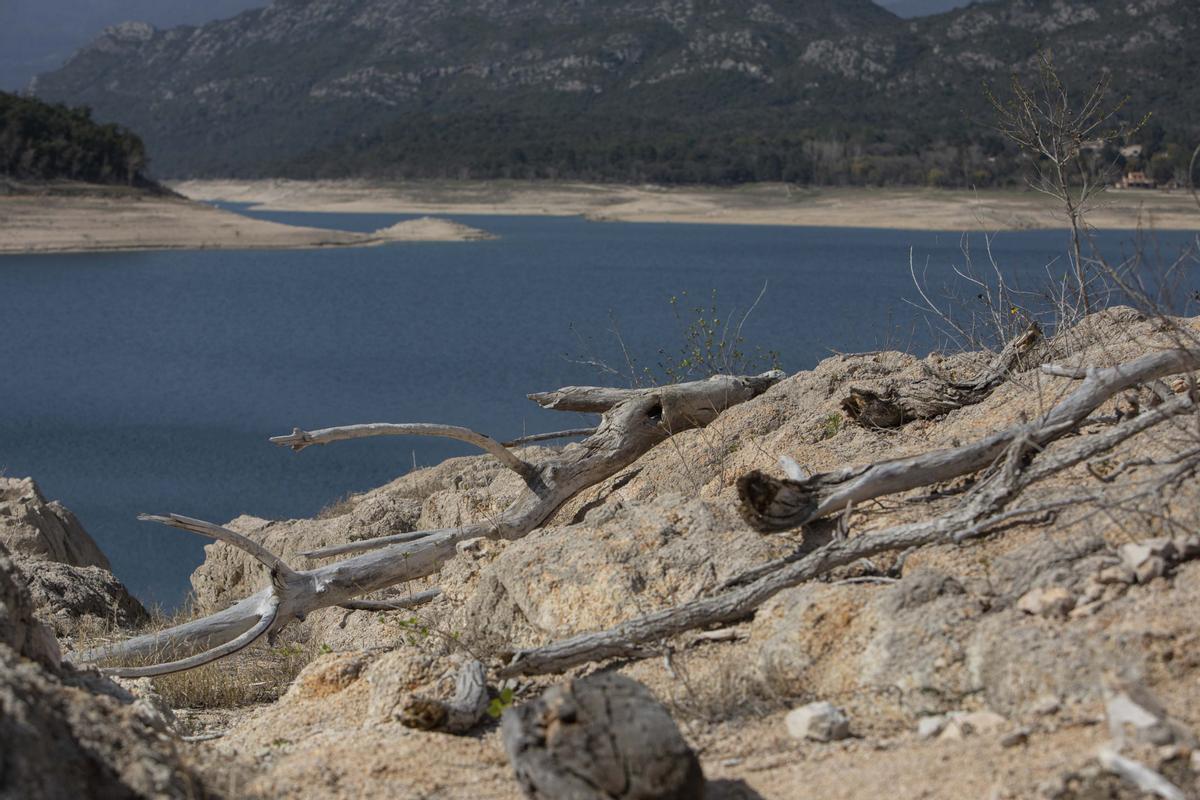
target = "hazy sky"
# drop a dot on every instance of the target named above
(39, 35)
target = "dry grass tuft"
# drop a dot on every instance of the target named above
(712, 684)
(340, 507)
(259, 674)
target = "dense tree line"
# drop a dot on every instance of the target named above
(40, 141)
(712, 151)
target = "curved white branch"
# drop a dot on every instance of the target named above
(626, 432)
(264, 556)
(299, 439)
(199, 659)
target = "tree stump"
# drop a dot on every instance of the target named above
(604, 737)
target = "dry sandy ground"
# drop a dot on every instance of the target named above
(773, 204)
(118, 221)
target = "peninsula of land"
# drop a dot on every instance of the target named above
(65, 218)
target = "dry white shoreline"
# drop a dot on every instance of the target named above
(100, 222)
(764, 204)
(94, 219)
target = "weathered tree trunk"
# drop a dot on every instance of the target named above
(934, 395)
(604, 737)
(460, 713)
(979, 512)
(774, 504)
(635, 422)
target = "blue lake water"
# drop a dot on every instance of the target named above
(150, 381)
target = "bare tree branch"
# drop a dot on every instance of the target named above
(627, 430)
(298, 439)
(773, 504)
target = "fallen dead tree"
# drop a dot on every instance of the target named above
(775, 504)
(934, 394)
(633, 422)
(1016, 459)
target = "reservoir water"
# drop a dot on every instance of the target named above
(150, 381)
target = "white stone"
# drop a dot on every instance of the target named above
(1135, 554)
(1128, 715)
(1047, 706)
(1052, 602)
(471, 546)
(1187, 547)
(1151, 568)
(821, 722)
(985, 722)
(929, 727)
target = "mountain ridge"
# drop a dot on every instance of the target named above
(416, 88)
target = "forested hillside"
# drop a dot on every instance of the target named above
(39, 141)
(813, 91)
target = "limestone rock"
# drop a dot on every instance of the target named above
(961, 724)
(34, 528)
(65, 734)
(821, 722)
(1149, 559)
(1053, 602)
(19, 629)
(66, 595)
(1015, 738)
(1133, 713)
(147, 703)
(1187, 547)
(68, 578)
(928, 727)
(613, 566)
(1047, 706)
(604, 737)
(1116, 574)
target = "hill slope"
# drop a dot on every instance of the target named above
(672, 90)
(39, 141)
(41, 36)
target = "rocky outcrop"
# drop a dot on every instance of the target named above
(20, 631)
(618, 562)
(963, 670)
(67, 576)
(67, 596)
(31, 527)
(70, 735)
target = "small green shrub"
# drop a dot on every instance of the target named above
(833, 424)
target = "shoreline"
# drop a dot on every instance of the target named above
(756, 204)
(88, 219)
(93, 220)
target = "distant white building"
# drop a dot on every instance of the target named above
(1137, 180)
(1132, 151)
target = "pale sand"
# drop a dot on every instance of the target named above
(773, 204)
(89, 223)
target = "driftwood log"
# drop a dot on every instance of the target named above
(457, 714)
(604, 737)
(774, 504)
(1018, 461)
(933, 394)
(633, 422)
